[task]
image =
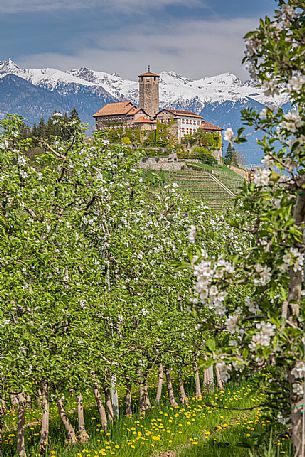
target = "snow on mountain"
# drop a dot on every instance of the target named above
(175, 90)
(113, 84)
(39, 92)
(49, 78)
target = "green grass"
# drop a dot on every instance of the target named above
(205, 427)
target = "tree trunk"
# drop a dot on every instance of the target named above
(160, 384)
(108, 403)
(44, 436)
(170, 389)
(114, 397)
(82, 434)
(144, 398)
(197, 382)
(209, 378)
(218, 377)
(128, 400)
(71, 436)
(21, 423)
(183, 397)
(100, 406)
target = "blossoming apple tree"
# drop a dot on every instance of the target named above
(266, 326)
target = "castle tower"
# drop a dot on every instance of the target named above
(149, 92)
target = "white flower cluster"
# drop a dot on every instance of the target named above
(267, 161)
(294, 259)
(232, 323)
(252, 307)
(263, 337)
(192, 234)
(229, 134)
(261, 177)
(206, 272)
(296, 83)
(4, 144)
(21, 161)
(292, 122)
(264, 275)
(299, 370)
(298, 389)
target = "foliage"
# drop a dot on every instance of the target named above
(266, 325)
(211, 141)
(231, 157)
(92, 286)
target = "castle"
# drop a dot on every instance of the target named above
(148, 114)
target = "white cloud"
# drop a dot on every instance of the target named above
(17, 6)
(193, 48)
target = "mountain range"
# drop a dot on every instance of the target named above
(36, 93)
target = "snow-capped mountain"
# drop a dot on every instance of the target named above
(178, 90)
(38, 92)
(174, 89)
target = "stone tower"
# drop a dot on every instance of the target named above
(149, 92)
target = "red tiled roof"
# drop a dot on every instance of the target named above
(182, 113)
(143, 120)
(117, 109)
(211, 127)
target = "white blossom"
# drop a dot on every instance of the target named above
(299, 370)
(229, 134)
(292, 122)
(263, 337)
(296, 83)
(267, 161)
(298, 389)
(263, 114)
(192, 234)
(261, 177)
(21, 161)
(294, 259)
(232, 323)
(23, 174)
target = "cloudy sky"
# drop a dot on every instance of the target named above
(194, 38)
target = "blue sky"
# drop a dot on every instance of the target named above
(194, 38)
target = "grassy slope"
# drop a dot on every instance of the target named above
(197, 183)
(206, 427)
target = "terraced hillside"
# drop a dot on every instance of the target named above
(215, 186)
